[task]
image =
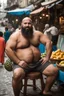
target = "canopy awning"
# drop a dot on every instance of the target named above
(19, 11)
(37, 11)
(55, 3)
(31, 7)
(51, 5)
(48, 2)
(59, 1)
(22, 11)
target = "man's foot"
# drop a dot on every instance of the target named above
(47, 94)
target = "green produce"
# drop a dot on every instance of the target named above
(43, 54)
(8, 65)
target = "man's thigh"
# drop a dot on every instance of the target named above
(18, 71)
(42, 67)
(50, 70)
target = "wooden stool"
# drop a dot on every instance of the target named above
(33, 76)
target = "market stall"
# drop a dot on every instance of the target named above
(17, 15)
(60, 43)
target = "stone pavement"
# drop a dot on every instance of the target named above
(5, 83)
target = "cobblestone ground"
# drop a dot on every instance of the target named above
(5, 83)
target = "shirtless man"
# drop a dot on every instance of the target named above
(22, 49)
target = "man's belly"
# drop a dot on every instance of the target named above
(28, 54)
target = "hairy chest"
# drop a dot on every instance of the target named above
(25, 43)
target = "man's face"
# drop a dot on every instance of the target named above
(26, 28)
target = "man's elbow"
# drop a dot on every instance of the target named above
(6, 49)
(50, 43)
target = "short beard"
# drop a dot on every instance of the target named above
(27, 33)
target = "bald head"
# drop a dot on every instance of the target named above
(27, 18)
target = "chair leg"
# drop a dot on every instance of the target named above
(34, 84)
(42, 83)
(25, 86)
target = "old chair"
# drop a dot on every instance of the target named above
(33, 76)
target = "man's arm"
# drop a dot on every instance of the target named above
(48, 48)
(10, 46)
(44, 40)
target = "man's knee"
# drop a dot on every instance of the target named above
(51, 70)
(55, 70)
(17, 75)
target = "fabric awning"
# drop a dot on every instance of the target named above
(19, 11)
(37, 11)
(22, 11)
(48, 2)
(59, 1)
(51, 5)
(31, 7)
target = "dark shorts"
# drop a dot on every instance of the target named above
(33, 67)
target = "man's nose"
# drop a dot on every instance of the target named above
(27, 25)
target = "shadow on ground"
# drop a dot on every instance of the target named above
(58, 92)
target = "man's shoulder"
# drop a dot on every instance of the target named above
(38, 32)
(14, 34)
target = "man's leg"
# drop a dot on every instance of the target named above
(51, 72)
(16, 81)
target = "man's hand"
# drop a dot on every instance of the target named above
(44, 60)
(23, 64)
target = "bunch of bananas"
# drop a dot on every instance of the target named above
(43, 54)
(58, 55)
(61, 63)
